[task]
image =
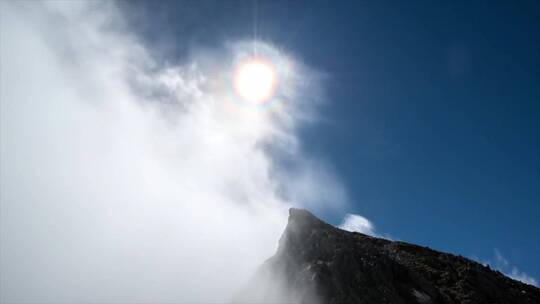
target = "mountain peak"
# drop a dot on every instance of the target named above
(296, 213)
(319, 263)
(301, 225)
(304, 218)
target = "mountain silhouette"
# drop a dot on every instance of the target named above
(319, 263)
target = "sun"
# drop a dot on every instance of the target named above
(255, 80)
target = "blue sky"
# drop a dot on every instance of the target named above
(433, 115)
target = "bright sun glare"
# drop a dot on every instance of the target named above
(255, 80)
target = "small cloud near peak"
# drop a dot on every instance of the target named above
(357, 223)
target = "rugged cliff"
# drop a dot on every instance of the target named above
(318, 263)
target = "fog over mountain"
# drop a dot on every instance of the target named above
(126, 179)
(134, 170)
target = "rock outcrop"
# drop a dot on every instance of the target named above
(319, 263)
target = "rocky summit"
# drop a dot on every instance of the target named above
(319, 263)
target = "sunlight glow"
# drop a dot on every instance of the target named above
(255, 80)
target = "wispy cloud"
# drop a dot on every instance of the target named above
(516, 274)
(500, 263)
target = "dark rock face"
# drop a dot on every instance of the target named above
(318, 263)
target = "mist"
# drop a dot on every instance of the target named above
(126, 179)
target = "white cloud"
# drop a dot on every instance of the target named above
(126, 181)
(357, 223)
(516, 274)
(500, 263)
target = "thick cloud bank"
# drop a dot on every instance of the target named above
(126, 180)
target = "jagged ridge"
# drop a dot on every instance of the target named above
(319, 263)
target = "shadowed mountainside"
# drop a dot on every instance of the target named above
(319, 263)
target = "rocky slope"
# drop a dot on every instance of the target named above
(318, 263)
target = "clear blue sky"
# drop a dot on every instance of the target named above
(433, 120)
